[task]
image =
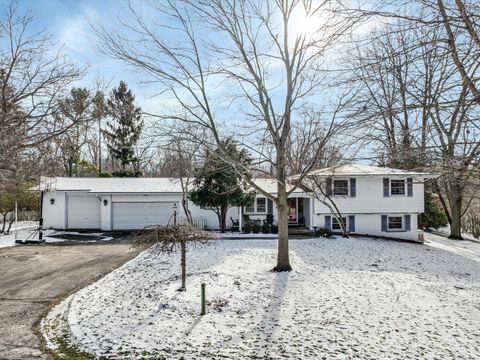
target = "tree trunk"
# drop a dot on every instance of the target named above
(10, 225)
(183, 262)
(456, 213)
(223, 219)
(4, 222)
(283, 260)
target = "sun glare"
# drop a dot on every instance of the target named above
(303, 24)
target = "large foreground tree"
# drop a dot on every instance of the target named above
(266, 57)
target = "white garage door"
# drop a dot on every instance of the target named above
(131, 216)
(83, 212)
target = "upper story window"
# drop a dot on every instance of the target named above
(395, 223)
(397, 187)
(261, 205)
(340, 187)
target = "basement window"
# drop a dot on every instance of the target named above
(336, 224)
(395, 223)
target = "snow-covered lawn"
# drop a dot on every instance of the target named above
(345, 298)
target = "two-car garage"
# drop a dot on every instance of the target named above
(84, 211)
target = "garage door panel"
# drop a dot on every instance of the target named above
(83, 212)
(131, 216)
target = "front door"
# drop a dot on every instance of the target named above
(292, 210)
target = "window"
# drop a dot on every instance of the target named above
(336, 224)
(261, 205)
(340, 187)
(397, 187)
(395, 223)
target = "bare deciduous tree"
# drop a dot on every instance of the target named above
(267, 56)
(170, 238)
(33, 76)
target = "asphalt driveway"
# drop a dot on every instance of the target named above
(32, 278)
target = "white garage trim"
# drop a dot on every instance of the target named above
(137, 215)
(83, 211)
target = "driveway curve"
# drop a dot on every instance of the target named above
(32, 278)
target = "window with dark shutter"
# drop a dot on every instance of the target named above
(409, 187)
(407, 223)
(386, 187)
(384, 222)
(328, 185)
(353, 187)
(351, 223)
(328, 222)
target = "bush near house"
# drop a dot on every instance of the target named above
(274, 229)
(256, 228)
(266, 229)
(247, 228)
(323, 232)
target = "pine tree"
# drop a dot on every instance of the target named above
(124, 126)
(218, 185)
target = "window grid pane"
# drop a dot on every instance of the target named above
(336, 225)
(340, 187)
(395, 222)
(398, 187)
(261, 205)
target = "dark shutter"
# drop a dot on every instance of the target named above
(328, 222)
(386, 187)
(351, 223)
(384, 223)
(328, 186)
(269, 206)
(353, 187)
(407, 223)
(409, 187)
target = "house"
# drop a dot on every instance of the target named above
(372, 200)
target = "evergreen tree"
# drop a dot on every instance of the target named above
(219, 186)
(125, 125)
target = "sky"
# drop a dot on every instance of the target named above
(68, 22)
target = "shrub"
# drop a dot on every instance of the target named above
(434, 216)
(274, 229)
(266, 228)
(256, 228)
(323, 232)
(247, 228)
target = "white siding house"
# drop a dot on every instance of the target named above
(373, 201)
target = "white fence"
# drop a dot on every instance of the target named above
(197, 222)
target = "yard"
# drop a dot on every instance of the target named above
(345, 298)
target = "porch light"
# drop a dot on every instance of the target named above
(105, 202)
(52, 201)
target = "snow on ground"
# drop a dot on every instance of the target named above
(345, 298)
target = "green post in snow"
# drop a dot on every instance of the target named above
(202, 296)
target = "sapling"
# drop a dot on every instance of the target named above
(170, 238)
